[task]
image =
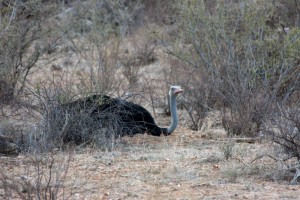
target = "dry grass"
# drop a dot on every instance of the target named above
(181, 166)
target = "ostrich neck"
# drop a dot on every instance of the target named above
(174, 116)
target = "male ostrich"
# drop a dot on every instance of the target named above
(78, 118)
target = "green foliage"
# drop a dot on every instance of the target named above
(292, 45)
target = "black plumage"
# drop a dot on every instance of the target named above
(100, 117)
(78, 120)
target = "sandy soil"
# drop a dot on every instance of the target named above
(185, 165)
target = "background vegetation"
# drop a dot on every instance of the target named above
(243, 58)
(238, 58)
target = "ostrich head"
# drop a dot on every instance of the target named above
(174, 91)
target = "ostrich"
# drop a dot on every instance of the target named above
(101, 111)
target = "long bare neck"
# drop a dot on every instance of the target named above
(174, 116)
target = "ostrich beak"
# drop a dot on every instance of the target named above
(179, 90)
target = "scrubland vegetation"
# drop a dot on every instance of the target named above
(237, 61)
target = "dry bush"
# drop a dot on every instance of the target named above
(159, 12)
(263, 161)
(39, 177)
(21, 44)
(227, 149)
(98, 47)
(285, 129)
(141, 55)
(248, 64)
(100, 64)
(288, 12)
(194, 102)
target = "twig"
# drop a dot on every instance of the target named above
(272, 157)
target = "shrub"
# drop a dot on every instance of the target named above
(248, 63)
(286, 129)
(44, 179)
(20, 49)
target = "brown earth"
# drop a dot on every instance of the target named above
(185, 165)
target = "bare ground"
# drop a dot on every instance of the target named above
(185, 165)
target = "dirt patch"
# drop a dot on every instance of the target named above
(181, 166)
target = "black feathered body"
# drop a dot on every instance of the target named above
(87, 115)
